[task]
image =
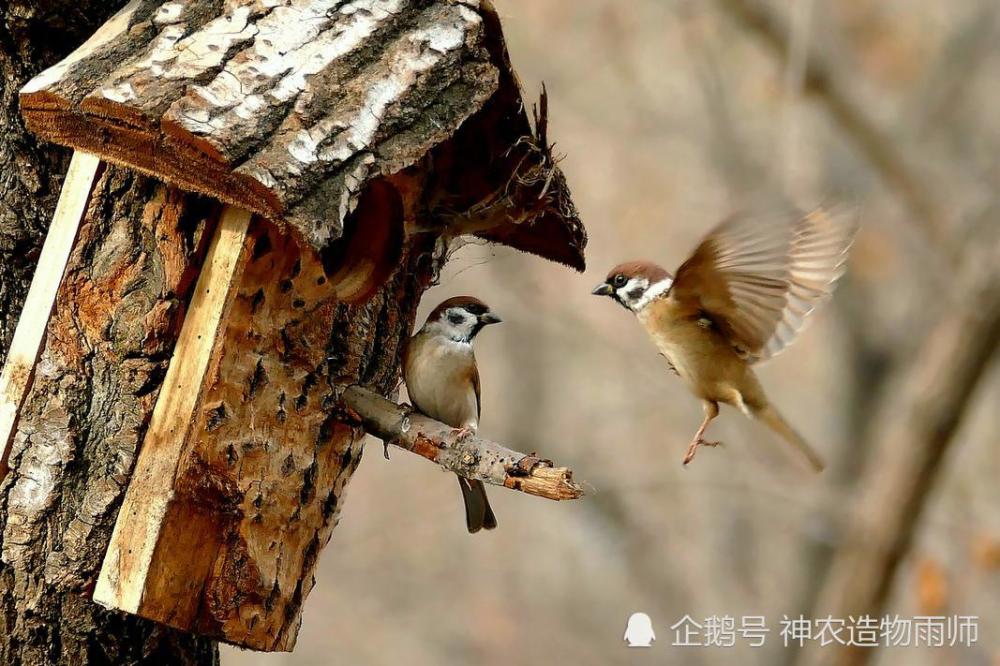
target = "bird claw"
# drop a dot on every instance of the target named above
(693, 448)
(462, 433)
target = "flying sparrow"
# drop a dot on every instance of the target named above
(441, 376)
(740, 299)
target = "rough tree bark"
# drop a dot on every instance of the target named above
(109, 342)
(40, 622)
(224, 99)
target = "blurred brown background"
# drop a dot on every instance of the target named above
(669, 112)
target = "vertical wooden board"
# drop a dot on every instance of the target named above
(24, 348)
(130, 555)
(258, 487)
(268, 429)
(107, 346)
(254, 490)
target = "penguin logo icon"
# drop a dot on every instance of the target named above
(639, 631)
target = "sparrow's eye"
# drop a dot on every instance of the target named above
(619, 280)
(456, 318)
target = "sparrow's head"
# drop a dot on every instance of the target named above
(460, 318)
(635, 284)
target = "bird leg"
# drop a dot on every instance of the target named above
(463, 432)
(711, 411)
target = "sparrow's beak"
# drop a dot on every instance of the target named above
(489, 318)
(603, 289)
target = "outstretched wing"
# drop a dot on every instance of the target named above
(816, 260)
(758, 276)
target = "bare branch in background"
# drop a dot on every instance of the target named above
(914, 430)
(821, 81)
(725, 144)
(465, 454)
(794, 81)
(940, 98)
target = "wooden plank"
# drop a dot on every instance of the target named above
(24, 348)
(257, 490)
(130, 564)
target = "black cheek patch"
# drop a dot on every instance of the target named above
(635, 294)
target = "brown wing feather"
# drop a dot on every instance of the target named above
(759, 275)
(475, 387)
(816, 260)
(737, 277)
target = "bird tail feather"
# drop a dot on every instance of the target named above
(770, 416)
(478, 512)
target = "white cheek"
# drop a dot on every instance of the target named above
(652, 292)
(658, 289)
(635, 284)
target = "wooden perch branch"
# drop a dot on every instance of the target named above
(469, 456)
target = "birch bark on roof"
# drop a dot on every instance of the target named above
(285, 107)
(290, 109)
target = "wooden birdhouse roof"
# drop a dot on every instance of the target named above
(289, 108)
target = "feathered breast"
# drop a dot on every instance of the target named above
(442, 380)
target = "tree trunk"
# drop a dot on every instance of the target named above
(45, 621)
(107, 348)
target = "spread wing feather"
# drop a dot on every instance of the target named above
(758, 276)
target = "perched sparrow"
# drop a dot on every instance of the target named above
(740, 299)
(441, 376)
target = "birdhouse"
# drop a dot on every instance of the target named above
(296, 170)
